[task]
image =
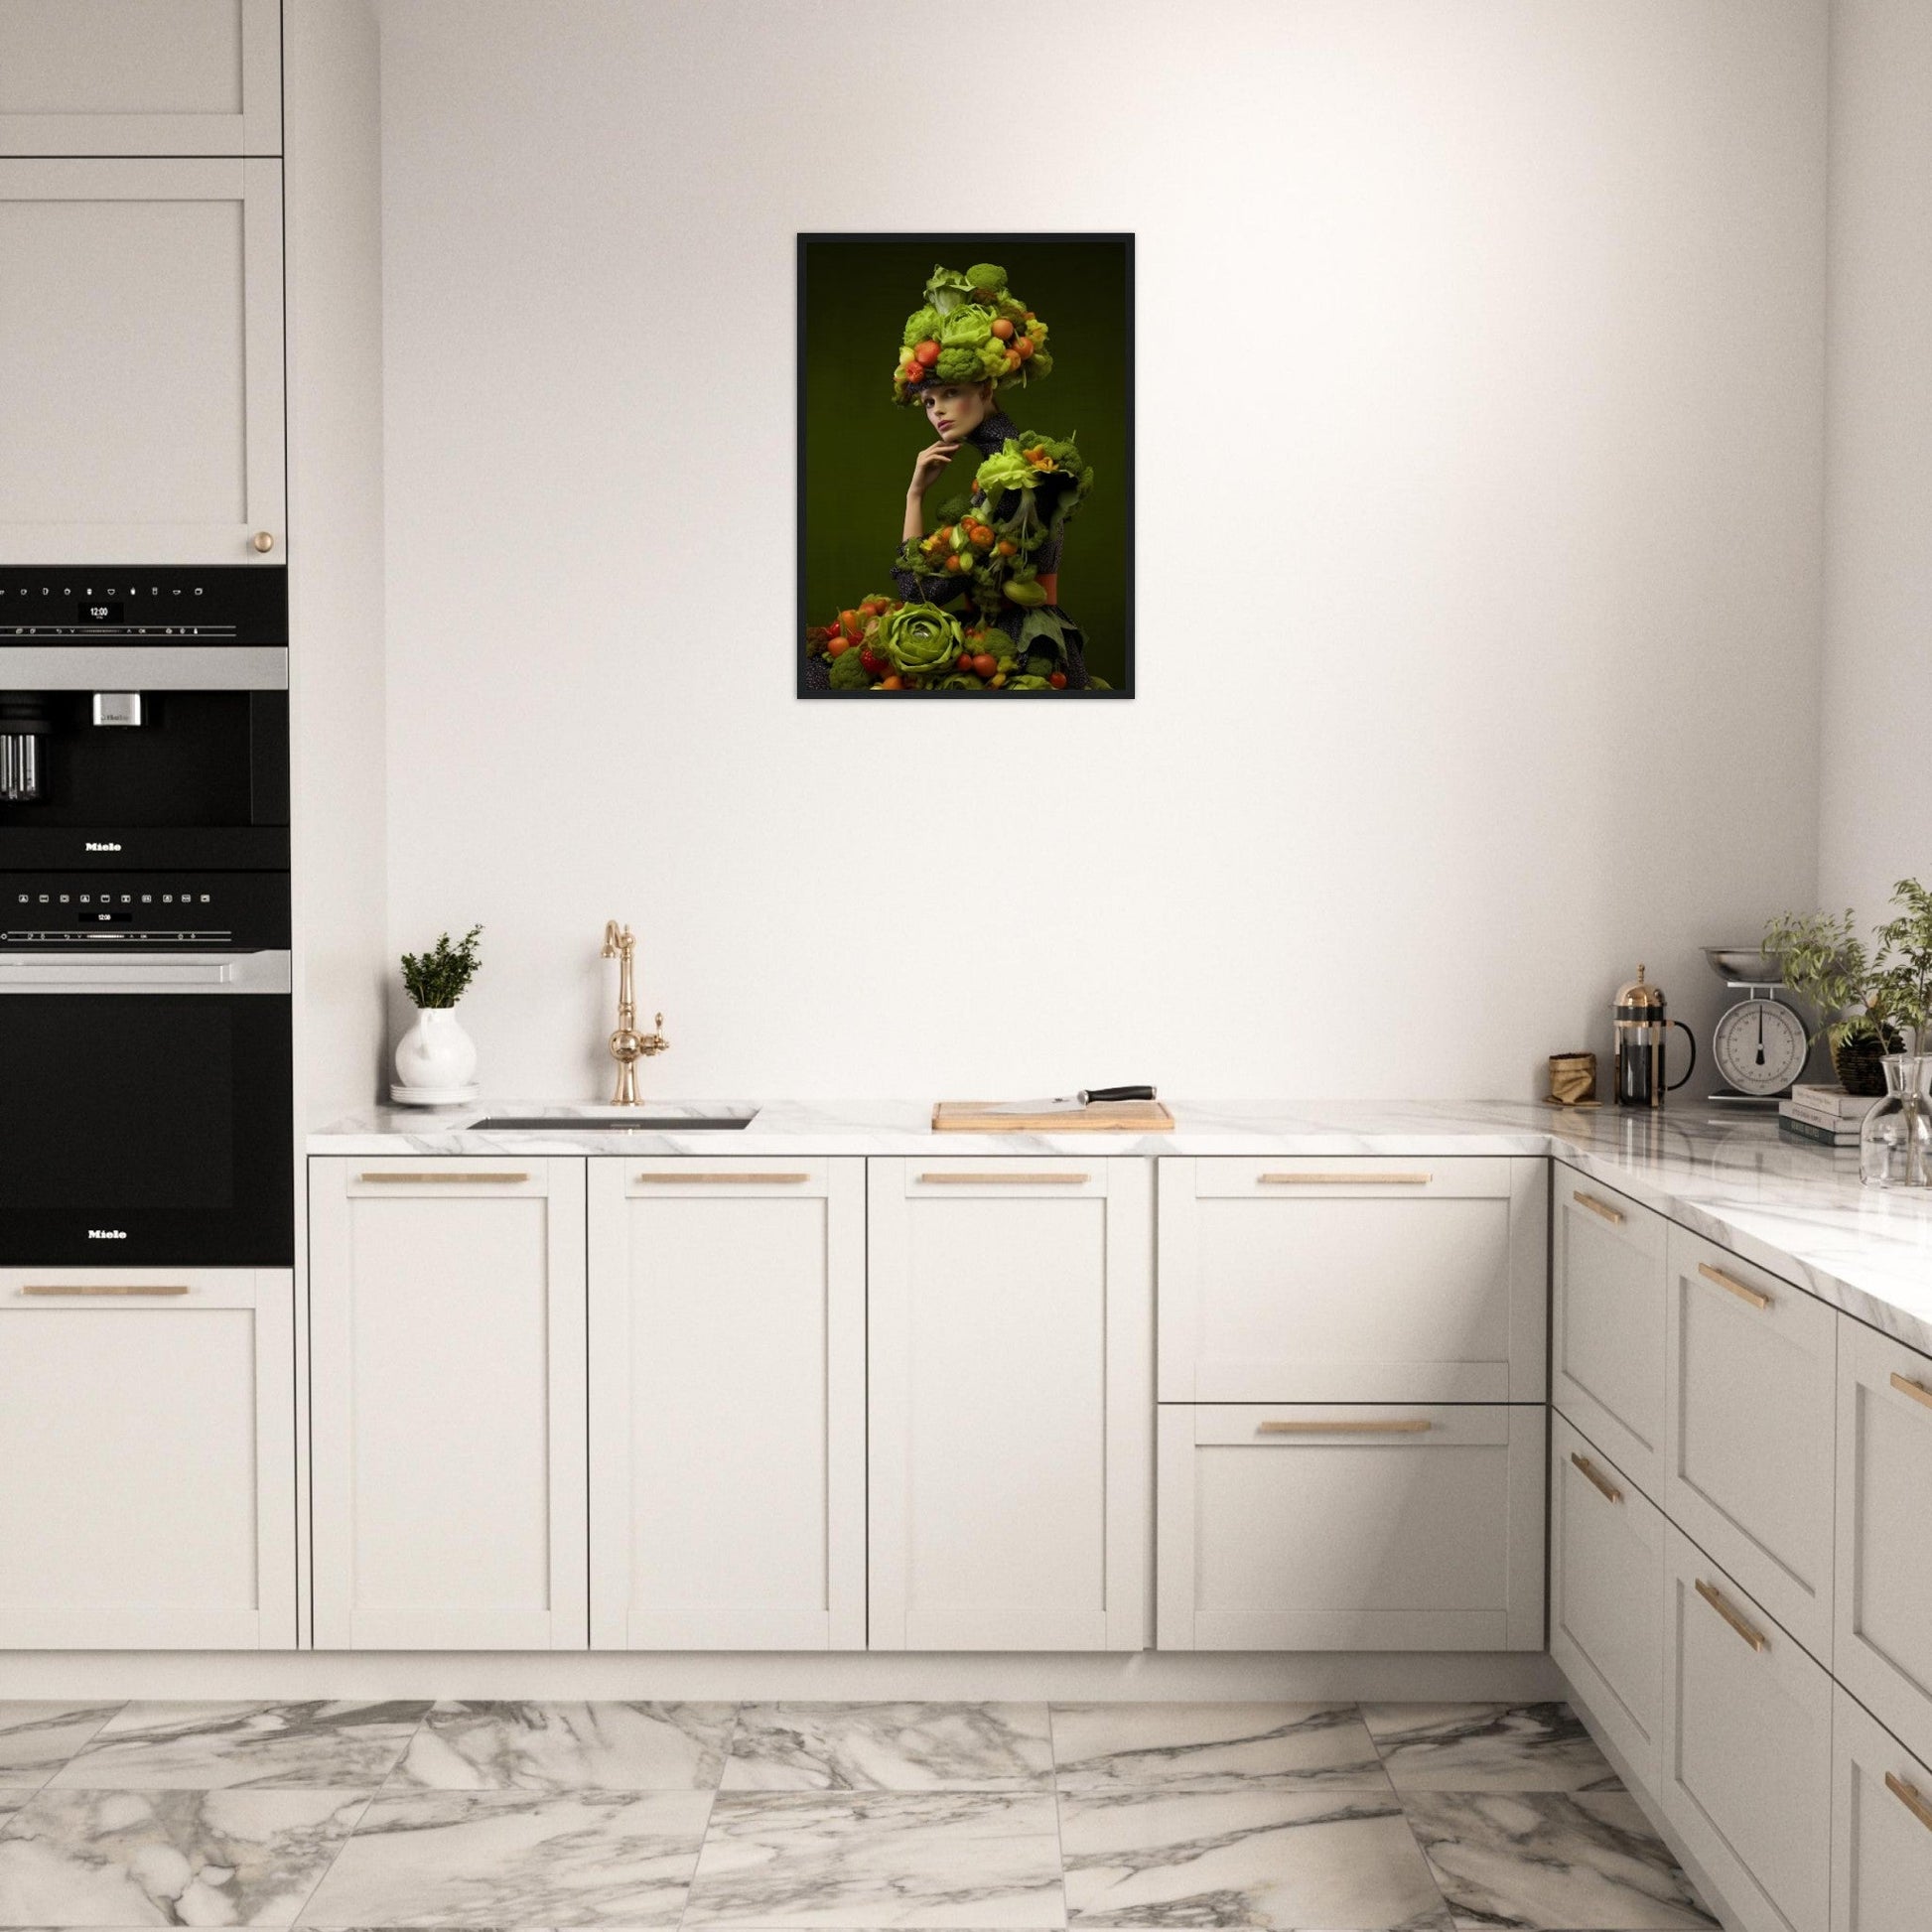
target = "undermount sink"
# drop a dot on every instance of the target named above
(630, 1121)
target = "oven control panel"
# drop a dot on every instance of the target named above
(163, 604)
(138, 912)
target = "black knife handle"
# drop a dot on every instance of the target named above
(1091, 1094)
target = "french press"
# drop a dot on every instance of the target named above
(1642, 1026)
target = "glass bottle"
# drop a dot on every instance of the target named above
(1895, 1142)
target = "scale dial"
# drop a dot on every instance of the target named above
(1760, 1047)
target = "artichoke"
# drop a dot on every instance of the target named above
(922, 640)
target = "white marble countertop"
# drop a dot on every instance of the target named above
(1794, 1209)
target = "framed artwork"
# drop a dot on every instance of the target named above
(966, 465)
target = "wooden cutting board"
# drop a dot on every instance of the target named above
(1102, 1117)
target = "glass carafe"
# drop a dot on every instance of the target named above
(1895, 1143)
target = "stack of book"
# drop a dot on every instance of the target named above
(1827, 1116)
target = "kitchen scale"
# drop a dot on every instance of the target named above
(1760, 1043)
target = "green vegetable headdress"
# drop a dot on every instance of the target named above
(972, 329)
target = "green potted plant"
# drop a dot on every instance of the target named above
(1828, 965)
(1895, 1142)
(436, 1060)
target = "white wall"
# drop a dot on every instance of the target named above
(1480, 467)
(1875, 827)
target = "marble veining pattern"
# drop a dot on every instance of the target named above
(1796, 1210)
(494, 1746)
(890, 1748)
(1096, 1745)
(38, 1738)
(153, 1746)
(1487, 1747)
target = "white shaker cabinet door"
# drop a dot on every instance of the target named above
(141, 363)
(446, 1404)
(727, 1404)
(1010, 1403)
(1883, 1648)
(1752, 1374)
(147, 1459)
(1354, 1279)
(1609, 1274)
(1882, 1827)
(140, 77)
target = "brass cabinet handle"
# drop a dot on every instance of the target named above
(724, 1179)
(1601, 1208)
(1732, 1286)
(105, 1288)
(1916, 1390)
(264, 541)
(1751, 1635)
(1913, 1799)
(1593, 1475)
(1346, 1179)
(442, 1179)
(1415, 1425)
(1006, 1179)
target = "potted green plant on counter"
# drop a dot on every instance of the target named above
(1828, 965)
(436, 1060)
(1895, 1143)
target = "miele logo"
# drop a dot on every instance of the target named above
(108, 1234)
(102, 845)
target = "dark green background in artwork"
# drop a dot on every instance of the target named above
(860, 446)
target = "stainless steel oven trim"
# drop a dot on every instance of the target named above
(242, 972)
(136, 667)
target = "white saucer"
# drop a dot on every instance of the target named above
(433, 1096)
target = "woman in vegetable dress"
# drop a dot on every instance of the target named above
(975, 605)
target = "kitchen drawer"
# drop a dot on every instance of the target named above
(1750, 1436)
(1883, 1651)
(1747, 1747)
(1606, 1595)
(1882, 1827)
(1324, 1526)
(1350, 1280)
(1609, 1274)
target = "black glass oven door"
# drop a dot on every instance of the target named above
(146, 1112)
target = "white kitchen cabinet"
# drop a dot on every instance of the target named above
(448, 1405)
(1331, 1526)
(1882, 1827)
(1884, 1643)
(1747, 1747)
(147, 1459)
(1606, 1595)
(1011, 1395)
(727, 1404)
(155, 77)
(1751, 1375)
(141, 362)
(1354, 1279)
(1608, 1276)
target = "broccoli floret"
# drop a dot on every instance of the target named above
(848, 674)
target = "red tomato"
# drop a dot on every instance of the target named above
(1002, 329)
(1024, 345)
(848, 619)
(927, 352)
(985, 664)
(1057, 679)
(838, 646)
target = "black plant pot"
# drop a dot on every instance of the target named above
(1859, 1060)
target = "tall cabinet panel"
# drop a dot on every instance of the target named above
(1010, 1324)
(728, 1417)
(447, 1322)
(141, 360)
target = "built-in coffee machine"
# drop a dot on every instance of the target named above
(144, 1113)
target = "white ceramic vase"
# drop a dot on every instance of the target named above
(436, 1051)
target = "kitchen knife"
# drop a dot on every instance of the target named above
(1068, 1103)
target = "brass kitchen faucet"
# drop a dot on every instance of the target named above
(627, 1044)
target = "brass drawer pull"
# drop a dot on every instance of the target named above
(1346, 1179)
(1600, 1208)
(442, 1179)
(1413, 1426)
(105, 1288)
(661, 1179)
(1008, 1179)
(1911, 1797)
(1732, 1286)
(1916, 1390)
(1595, 1476)
(1753, 1636)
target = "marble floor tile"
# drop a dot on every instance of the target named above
(1097, 1746)
(847, 1859)
(1487, 1747)
(890, 1748)
(1556, 1862)
(568, 1748)
(37, 1737)
(1270, 1859)
(212, 1746)
(11, 1797)
(515, 1859)
(169, 1858)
